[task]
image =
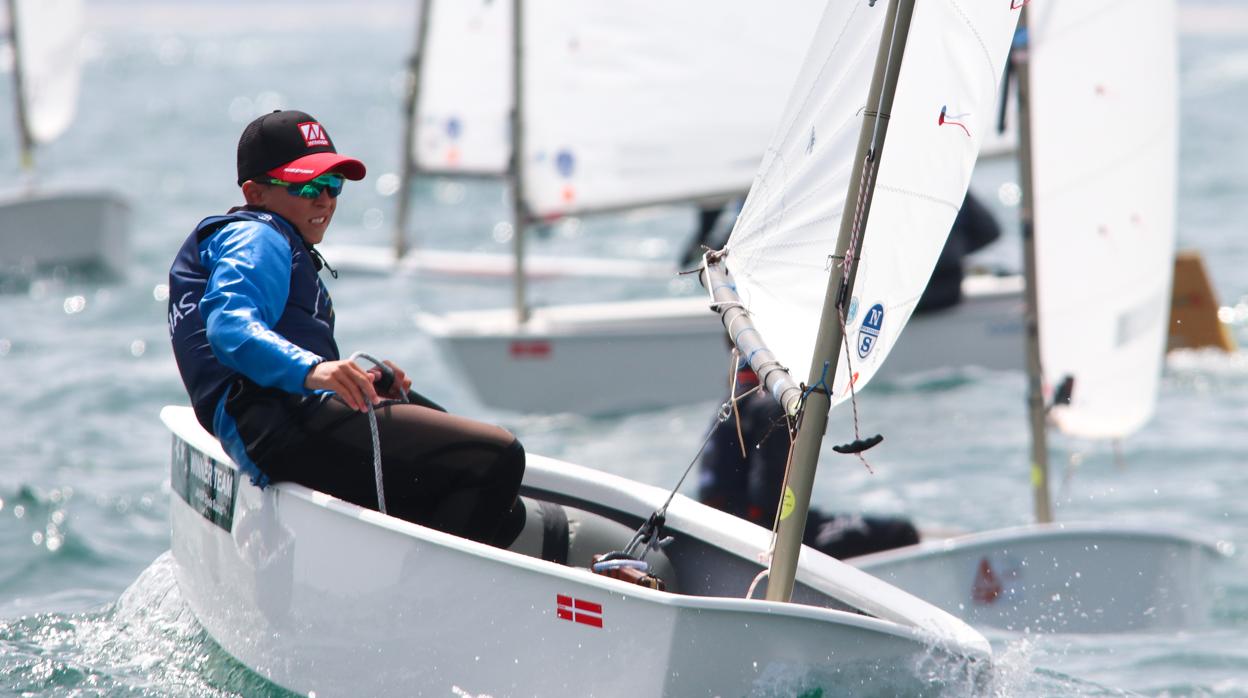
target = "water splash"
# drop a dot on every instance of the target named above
(146, 643)
(1018, 672)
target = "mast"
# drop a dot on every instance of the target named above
(411, 106)
(519, 213)
(814, 418)
(1036, 412)
(26, 143)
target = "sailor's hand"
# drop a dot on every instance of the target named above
(350, 382)
(401, 383)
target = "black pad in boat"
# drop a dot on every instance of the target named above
(572, 537)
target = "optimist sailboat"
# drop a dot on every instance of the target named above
(619, 122)
(457, 110)
(40, 227)
(611, 102)
(319, 595)
(1099, 183)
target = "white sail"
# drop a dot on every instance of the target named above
(1104, 148)
(465, 88)
(616, 96)
(619, 96)
(781, 249)
(49, 37)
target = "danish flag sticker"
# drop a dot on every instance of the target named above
(313, 134)
(578, 610)
(530, 349)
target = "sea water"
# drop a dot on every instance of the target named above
(88, 603)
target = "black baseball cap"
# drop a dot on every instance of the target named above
(291, 146)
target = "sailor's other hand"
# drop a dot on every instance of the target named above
(399, 387)
(350, 382)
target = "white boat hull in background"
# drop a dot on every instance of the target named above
(632, 355)
(318, 595)
(64, 228)
(373, 259)
(1061, 578)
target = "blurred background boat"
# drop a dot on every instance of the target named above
(43, 226)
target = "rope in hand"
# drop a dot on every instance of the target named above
(387, 379)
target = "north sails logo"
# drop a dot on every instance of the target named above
(869, 333)
(313, 134)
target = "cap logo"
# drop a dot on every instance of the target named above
(313, 134)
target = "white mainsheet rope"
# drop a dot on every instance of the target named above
(372, 427)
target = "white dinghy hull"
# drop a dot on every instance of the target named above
(70, 228)
(318, 595)
(601, 358)
(486, 265)
(1062, 577)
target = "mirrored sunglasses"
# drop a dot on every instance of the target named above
(331, 183)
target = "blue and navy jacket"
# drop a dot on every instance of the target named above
(245, 299)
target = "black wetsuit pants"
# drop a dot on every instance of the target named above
(438, 470)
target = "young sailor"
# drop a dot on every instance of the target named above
(252, 327)
(749, 485)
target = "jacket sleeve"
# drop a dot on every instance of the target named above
(248, 285)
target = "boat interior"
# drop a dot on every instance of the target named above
(572, 531)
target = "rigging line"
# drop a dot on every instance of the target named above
(725, 411)
(733, 368)
(853, 392)
(868, 158)
(737, 414)
(732, 397)
(855, 230)
(374, 432)
(775, 525)
(879, 107)
(865, 179)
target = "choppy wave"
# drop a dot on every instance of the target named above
(147, 643)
